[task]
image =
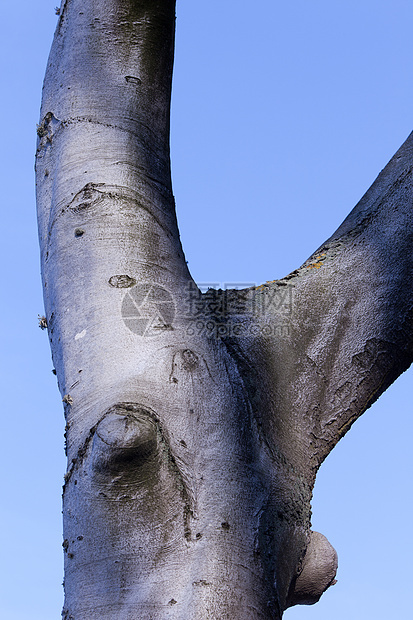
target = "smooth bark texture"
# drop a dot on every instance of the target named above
(195, 423)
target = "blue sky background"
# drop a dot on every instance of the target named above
(283, 115)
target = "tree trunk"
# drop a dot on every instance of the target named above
(195, 422)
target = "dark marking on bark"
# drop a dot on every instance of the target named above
(42, 129)
(131, 79)
(82, 206)
(201, 583)
(188, 512)
(67, 426)
(189, 360)
(122, 281)
(45, 130)
(225, 526)
(89, 196)
(79, 458)
(124, 439)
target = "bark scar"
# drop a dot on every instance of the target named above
(111, 435)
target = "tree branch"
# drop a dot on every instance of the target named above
(105, 205)
(350, 332)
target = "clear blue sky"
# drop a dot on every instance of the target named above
(283, 115)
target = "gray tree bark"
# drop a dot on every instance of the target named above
(195, 423)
